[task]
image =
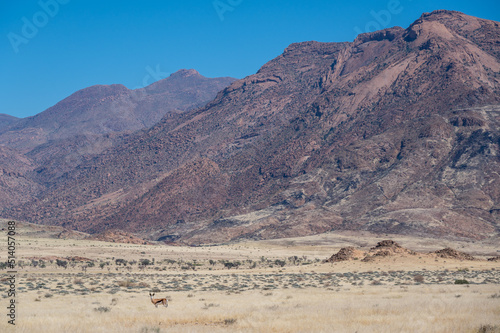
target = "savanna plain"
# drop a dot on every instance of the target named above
(74, 284)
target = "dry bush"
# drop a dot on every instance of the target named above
(489, 329)
(102, 309)
(127, 283)
(230, 321)
(419, 278)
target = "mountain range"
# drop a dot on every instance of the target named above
(86, 123)
(6, 120)
(397, 131)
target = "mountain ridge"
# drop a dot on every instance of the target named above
(362, 135)
(103, 109)
(6, 120)
(92, 120)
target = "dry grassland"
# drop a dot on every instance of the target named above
(358, 309)
(266, 286)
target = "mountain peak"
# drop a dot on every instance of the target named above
(441, 12)
(452, 19)
(388, 133)
(186, 73)
(379, 35)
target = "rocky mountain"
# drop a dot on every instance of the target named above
(16, 186)
(6, 120)
(104, 109)
(397, 131)
(93, 119)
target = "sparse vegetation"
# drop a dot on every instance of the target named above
(230, 321)
(419, 278)
(489, 329)
(461, 281)
(62, 263)
(102, 309)
(224, 284)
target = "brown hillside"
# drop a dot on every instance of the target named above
(396, 132)
(90, 121)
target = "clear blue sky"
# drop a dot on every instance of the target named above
(49, 51)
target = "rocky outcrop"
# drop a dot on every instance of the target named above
(389, 248)
(450, 253)
(346, 253)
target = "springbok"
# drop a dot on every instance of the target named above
(157, 301)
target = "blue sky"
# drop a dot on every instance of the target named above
(52, 48)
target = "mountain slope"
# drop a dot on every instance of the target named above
(107, 109)
(15, 184)
(376, 134)
(6, 120)
(95, 118)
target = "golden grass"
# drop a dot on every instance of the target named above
(360, 309)
(316, 297)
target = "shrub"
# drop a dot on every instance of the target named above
(461, 282)
(488, 329)
(102, 309)
(230, 265)
(229, 321)
(145, 262)
(419, 278)
(152, 330)
(210, 305)
(278, 262)
(62, 263)
(119, 262)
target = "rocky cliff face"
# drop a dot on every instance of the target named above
(397, 131)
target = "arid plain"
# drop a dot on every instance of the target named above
(81, 285)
